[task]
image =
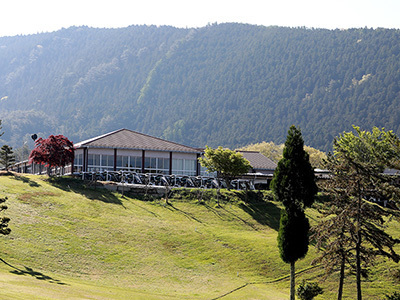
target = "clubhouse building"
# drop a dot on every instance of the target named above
(127, 150)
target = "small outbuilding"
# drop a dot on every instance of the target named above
(262, 169)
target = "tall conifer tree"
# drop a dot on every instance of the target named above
(294, 185)
(7, 157)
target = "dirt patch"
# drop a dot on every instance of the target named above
(35, 198)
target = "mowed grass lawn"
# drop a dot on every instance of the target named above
(69, 241)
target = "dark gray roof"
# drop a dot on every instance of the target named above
(258, 161)
(128, 139)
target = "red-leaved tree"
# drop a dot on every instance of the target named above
(55, 151)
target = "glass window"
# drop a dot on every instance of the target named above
(78, 160)
(190, 165)
(160, 163)
(154, 165)
(94, 159)
(163, 165)
(110, 160)
(177, 164)
(147, 162)
(184, 166)
(90, 159)
(119, 161)
(125, 163)
(122, 162)
(104, 160)
(107, 161)
(136, 162)
(150, 164)
(166, 164)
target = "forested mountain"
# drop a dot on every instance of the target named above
(227, 84)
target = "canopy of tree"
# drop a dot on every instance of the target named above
(227, 163)
(55, 151)
(227, 84)
(275, 152)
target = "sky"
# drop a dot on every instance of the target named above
(36, 16)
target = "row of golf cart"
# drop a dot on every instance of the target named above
(128, 177)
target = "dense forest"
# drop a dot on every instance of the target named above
(223, 84)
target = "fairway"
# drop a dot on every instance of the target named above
(70, 241)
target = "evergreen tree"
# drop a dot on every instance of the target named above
(293, 240)
(309, 290)
(332, 235)
(352, 231)
(294, 185)
(4, 220)
(7, 157)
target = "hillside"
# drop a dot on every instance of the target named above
(71, 241)
(224, 84)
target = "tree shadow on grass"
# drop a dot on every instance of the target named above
(69, 184)
(215, 211)
(143, 208)
(171, 207)
(221, 212)
(239, 218)
(33, 273)
(26, 180)
(265, 213)
(254, 204)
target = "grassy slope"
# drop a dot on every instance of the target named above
(71, 242)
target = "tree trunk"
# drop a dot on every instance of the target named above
(358, 245)
(358, 266)
(341, 278)
(292, 281)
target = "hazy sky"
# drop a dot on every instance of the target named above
(33, 16)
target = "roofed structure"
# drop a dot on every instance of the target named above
(129, 139)
(128, 150)
(258, 161)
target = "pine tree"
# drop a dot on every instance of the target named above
(7, 157)
(352, 231)
(294, 185)
(4, 220)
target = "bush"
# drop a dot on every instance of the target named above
(309, 290)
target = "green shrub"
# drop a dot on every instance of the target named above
(309, 290)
